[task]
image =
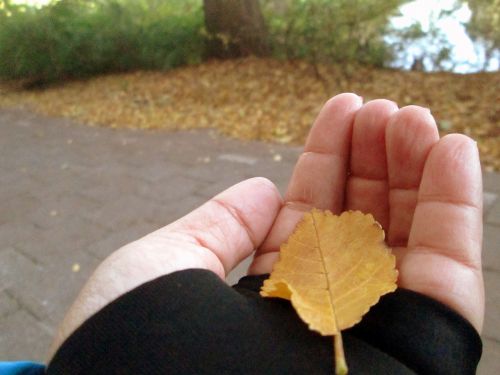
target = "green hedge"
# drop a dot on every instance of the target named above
(75, 38)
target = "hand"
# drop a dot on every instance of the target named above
(425, 192)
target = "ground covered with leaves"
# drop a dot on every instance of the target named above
(266, 99)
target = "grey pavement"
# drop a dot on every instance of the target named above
(71, 194)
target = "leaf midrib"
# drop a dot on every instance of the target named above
(323, 263)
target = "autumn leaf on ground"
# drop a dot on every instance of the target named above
(265, 99)
(333, 269)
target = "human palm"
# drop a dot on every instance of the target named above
(425, 192)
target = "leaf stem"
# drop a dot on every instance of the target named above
(340, 363)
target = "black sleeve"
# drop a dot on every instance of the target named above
(191, 322)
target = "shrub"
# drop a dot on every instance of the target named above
(76, 38)
(340, 31)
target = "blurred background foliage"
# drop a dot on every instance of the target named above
(298, 53)
(341, 31)
(77, 38)
(484, 25)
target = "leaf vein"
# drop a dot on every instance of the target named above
(303, 258)
(353, 289)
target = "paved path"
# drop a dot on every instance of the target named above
(70, 195)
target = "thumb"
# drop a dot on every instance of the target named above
(232, 224)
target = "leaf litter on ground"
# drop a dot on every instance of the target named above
(266, 99)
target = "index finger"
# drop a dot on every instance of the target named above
(319, 177)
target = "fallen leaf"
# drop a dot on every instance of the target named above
(445, 125)
(265, 99)
(204, 159)
(333, 269)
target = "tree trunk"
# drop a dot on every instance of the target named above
(235, 28)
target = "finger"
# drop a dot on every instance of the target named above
(410, 135)
(319, 176)
(446, 234)
(232, 224)
(318, 179)
(367, 185)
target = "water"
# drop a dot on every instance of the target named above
(466, 56)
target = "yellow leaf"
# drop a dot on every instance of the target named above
(333, 269)
(333, 263)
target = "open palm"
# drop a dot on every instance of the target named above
(425, 191)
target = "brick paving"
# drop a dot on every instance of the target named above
(71, 194)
